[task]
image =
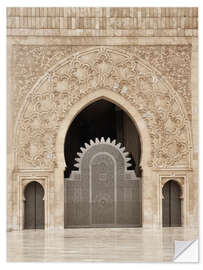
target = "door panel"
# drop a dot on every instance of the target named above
(39, 206)
(166, 205)
(34, 206)
(29, 214)
(171, 205)
(102, 184)
(129, 203)
(102, 197)
(175, 205)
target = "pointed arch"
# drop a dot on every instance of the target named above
(34, 210)
(117, 100)
(171, 204)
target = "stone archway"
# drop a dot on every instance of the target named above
(99, 119)
(119, 101)
(124, 79)
(34, 209)
(144, 137)
(23, 180)
(171, 204)
(182, 183)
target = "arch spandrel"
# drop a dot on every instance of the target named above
(124, 75)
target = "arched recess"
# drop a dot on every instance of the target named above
(171, 204)
(119, 101)
(144, 138)
(34, 209)
(102, 118)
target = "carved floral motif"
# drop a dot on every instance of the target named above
(115, 70)
(174, 62)
(31, 62)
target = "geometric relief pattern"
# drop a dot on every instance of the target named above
(115, 70)
(174, 62)
(31, 63)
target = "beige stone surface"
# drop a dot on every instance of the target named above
(151, 52)
(123, 21)
(96, 245)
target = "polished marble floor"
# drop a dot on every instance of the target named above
(96, 245)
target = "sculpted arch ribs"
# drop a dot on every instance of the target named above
(114, 70)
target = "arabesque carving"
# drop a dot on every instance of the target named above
(174, 62)
(113, 69)
(31, 63)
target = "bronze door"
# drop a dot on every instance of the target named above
(171, 205)
(102, 197)
(102, 191)
(34, 206)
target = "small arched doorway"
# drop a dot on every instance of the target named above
(34, 206)
(171, 204)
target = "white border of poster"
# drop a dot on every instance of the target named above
(3, 93)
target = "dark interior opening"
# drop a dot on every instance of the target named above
(171, 204)
(34, 206)
(102, 119)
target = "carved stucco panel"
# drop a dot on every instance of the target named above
(102, 67)
(174, 62)
(33, 61)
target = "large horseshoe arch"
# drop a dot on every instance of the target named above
(144, 137)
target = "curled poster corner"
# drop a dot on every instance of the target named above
(186, 251)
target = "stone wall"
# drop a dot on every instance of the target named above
(103, 21)
(62, 59)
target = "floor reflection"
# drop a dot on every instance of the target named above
(99, 245)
